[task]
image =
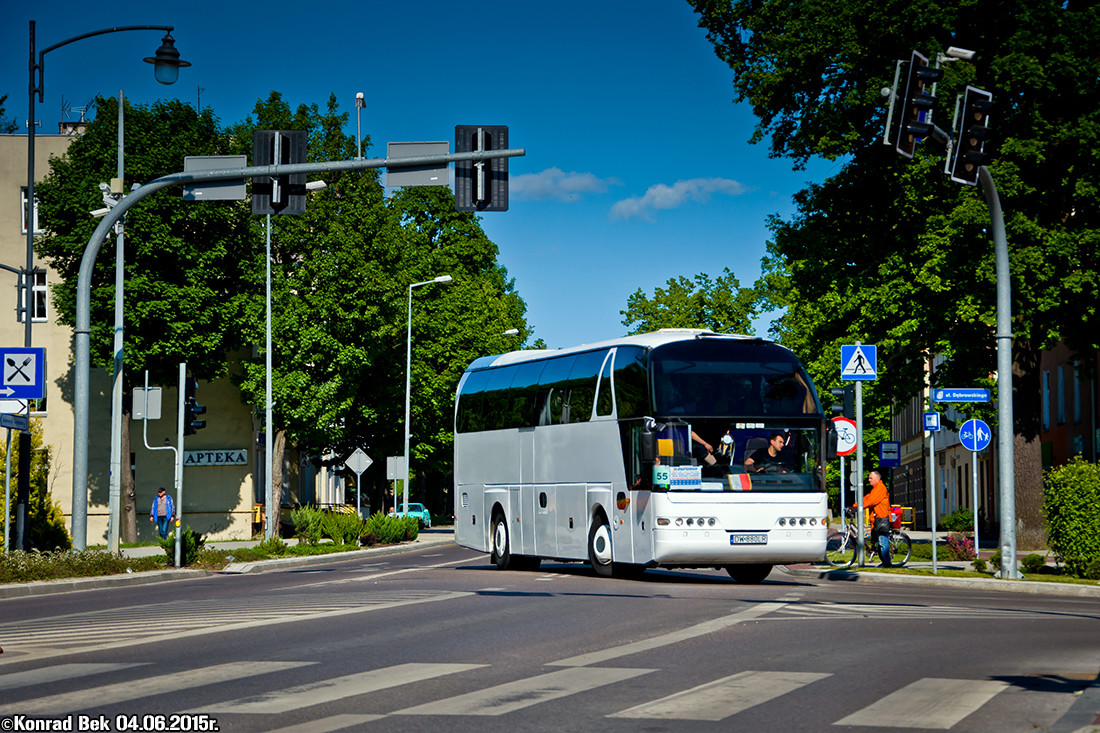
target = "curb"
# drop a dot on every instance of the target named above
(1071, 590)
(68, 585)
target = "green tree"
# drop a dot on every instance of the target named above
(892, 252)
(7, 124)
(181, 257)
(721, 305)
(340, 276)
(45, 520)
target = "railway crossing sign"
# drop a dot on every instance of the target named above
(23, 373)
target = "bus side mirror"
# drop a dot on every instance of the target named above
(831, 442)
(647, 446)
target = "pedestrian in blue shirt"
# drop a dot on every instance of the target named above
(162, 512)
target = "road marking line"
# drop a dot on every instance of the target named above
(326, 725)
(376, 576)
(674, 637)
(337, 688)
(59, 672)
(165, 684)
(523, 693)
(722, 698)
(927, 703)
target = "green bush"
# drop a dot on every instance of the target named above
(341, 527)
(1071, 494)
(191, 543)
(979, 565)
(308, 524)
(960, 546)
(1092, 570)
(380, 529)
(960, 520)
(1033, 563)
(274, 546)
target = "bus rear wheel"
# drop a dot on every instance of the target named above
(501, 555)
(749, 574)
(599, 547)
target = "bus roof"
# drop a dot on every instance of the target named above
(645, 340)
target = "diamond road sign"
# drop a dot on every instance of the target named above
(24, 373)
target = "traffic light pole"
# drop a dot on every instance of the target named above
(1006, 427)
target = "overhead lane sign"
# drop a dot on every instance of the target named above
(859, 362)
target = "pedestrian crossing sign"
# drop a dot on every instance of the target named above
(859, 362)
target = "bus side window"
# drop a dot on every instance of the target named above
(631, 383)
(605, 400)
(553, 389)
(582, 385)
(497, 404)
(524, 395)
(470, 402)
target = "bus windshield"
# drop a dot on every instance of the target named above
(725, 378)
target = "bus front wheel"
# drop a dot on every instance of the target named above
(501, 555)
(749, 574)
(599, 547)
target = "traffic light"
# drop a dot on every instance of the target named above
(973, 133)
(191, 409)
(279, 194)
(917, 105)
(481, 185)
(847, 407)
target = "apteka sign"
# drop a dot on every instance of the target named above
(230, 457)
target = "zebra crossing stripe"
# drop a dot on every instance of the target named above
(93, 697)
(58, 673)
(326, 725)
(927, 703)
(722, 698)
(523, 693)
(330, 690)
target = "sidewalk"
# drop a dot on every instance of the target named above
(426, 538)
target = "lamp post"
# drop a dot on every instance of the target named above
(167, 63)
(408, 385)
(360, 103)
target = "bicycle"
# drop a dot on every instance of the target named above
(842, 549)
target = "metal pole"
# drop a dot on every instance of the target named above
(359, 104)
(272, 519)
(974, 480)
(1006, 427)
(179, 458)
(858, 483)
(7, 495)
(408, 384)
(115, 489)
(932, 492)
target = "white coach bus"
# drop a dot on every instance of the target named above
(598, 454)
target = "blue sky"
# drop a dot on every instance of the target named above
(638, 167)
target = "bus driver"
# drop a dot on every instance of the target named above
(764, 457)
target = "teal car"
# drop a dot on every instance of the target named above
(420, 512)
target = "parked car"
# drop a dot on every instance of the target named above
(419, 511)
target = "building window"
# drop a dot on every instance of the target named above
(1046, 400)
(1061, 394)
(23, 213)
(40, 298)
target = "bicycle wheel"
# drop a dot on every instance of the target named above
(901, 548)
(840, 549)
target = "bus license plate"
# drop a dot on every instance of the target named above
(748, 539)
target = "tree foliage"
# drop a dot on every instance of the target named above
(720, 305)
(892, 252)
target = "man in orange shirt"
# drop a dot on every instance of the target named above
(878, 500)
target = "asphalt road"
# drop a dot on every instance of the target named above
(439, 638)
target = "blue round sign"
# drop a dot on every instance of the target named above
(975, 435)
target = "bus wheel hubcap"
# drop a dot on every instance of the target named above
(601, 545)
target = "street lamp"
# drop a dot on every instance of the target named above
(360, 103)
(408, 385)
(166, 64)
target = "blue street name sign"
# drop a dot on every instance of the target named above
(22, 373)
(932, 421)
(15, 422)
(975, 435)
(960, 394)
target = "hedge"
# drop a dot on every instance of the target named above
(1071, 495)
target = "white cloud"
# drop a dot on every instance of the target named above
(555, 184)
(661, 196)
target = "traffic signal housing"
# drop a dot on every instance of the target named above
(847, 406)
(191, 408)
(279, 194)
(481, 185)
(974, 131)
(917, 104)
